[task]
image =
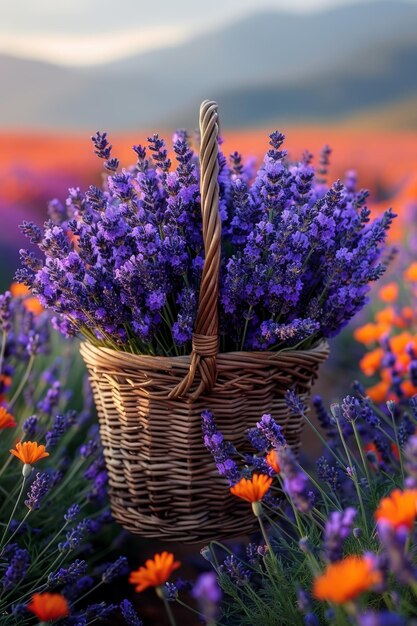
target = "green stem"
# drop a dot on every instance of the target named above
(361, 452)
(3, 349)
(23, 381)
(14, 511)
(161, 594)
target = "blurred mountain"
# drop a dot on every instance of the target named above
(261, 68)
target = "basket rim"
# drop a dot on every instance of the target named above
(320, 349)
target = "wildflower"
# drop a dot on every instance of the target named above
(252, 490)
(17, 568)
(221, 450)
(371, 362)
(6, 419)
(48, 606)
(399, 509)
(208, 595)
(383, 618)
(272, 460)
(236, 571)
(38, 489)
(338, 528)
(344, 580)
(271, 431)
(129, 614)
(114, 570)
(29, 452)
(296, 483)
(155, 572)
(410, 273)
(389, 292)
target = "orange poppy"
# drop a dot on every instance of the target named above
(29, 452)
(371, 362)
(398, 343)
(411, 272)
(399, 509)
(155, 572)
(252, 490)
(344, 580)
(272, 460)
(6, 419)
(389, 292)
(48, 606)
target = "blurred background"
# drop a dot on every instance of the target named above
(322, 71)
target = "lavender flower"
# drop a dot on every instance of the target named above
(271, 431)
(129, 614)
(123, 263)
(296, 483)
(17, 568)
(338, 528)
(208, 595)
(236, 571)
(114, 570)
(221, 450)
(38, 489)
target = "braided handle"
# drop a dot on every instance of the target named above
(205, 341)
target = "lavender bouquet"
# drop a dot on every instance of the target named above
(122, 264)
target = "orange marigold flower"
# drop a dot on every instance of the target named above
(398, 509)
(398, 343)
(31, 303)
(19, 290)
(344, 580)
(48, 606)
(29, 452)
(371, 362)
(33, 306)
(411, 272)
(155, 572)
(378, 392)
(272, 460)
(389, 292)
(253, 489)
(408, 389)
(386, 316)
(365, 334)
(6, 419)
(5, 380)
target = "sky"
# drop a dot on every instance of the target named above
(84, 32)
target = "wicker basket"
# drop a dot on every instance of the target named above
(163, 482)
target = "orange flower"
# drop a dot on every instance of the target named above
(29, 452)
(344, 580)
(155, 572)
(378, 392)
(386, 316)
(408, 389)
(389, 292)
(252, 490)
(6, 419)
(5, 380)
(371, 332)
(19, 290)
(398, 509)
(411, 272)
(33, 306)
(31, 303)
(398, 343)
(371, 362)
(272, 460)
(48, 606)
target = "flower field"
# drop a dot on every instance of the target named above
(330, 529)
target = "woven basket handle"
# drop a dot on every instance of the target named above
(205, 341)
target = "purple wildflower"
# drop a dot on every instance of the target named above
(271, 431)
(129, 614)
(296, 483)
(338, 528)
(115, 570)
(38, 490)
(221, 450)
(208, 595)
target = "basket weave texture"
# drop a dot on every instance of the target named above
(162, 481)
